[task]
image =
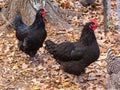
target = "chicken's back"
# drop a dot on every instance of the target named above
(60, 51)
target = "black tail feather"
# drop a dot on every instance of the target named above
(17, 22)
(50, 46)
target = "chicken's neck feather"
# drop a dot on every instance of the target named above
(87, 36)
(39, 21)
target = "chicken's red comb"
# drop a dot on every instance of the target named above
(94, 21)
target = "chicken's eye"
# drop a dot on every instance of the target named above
(91, 25)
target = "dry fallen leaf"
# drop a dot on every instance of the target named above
(17, 73)
(15, 67)
(24, 66)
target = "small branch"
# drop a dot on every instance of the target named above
(35, 4)
(32, 5)
(43, 3)
(8, 23)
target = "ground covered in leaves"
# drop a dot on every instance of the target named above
(18, 73)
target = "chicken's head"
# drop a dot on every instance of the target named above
(42, 12)
(94, 24)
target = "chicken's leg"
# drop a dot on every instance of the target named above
(34, 59)
(82, 78)
(36, 56)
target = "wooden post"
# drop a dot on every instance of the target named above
(107, 7)
(118, 11)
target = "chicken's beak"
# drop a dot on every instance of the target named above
(46, 11)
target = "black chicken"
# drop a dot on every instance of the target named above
(31, 37)
(74, 57)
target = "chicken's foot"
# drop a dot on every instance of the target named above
(82, 78)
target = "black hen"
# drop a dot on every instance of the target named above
(74, 57)
(31, 37)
